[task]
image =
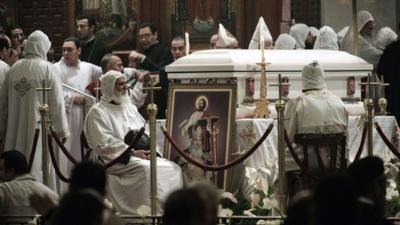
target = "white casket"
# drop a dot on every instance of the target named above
(240, 64)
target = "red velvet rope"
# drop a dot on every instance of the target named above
(54, 162)
(222, 167)
(134, 141)
(392, 148)
(61, 145)
(361, 147)
(33, 150)
(293, 152)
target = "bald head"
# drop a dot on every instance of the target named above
(111, 62)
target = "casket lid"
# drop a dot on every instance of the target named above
(242, 62)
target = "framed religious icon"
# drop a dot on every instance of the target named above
(201, 118)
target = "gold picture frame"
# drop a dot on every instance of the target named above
(201, 119)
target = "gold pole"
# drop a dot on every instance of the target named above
(44, 109)
(355, 27)
(369, 106)
(280, 109)
(152, 112)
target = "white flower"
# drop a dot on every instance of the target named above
(261, 222)
(143, 211)
(268, 222)
(249, 212)
(224, 212)
(270, 204)
(255, 199)
(230, 196)
(258, 178)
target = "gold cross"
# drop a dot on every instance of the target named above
(151, 88)
(369, 83)
(43, 89)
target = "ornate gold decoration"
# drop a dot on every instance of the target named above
(22, 87)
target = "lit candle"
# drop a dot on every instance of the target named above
(262, 44)
(187, 44)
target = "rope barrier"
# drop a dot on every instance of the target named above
(62, 147)
(391, 147)
(54, 162)
(222, 167)
(33, 150)
(361, 147)
(293, 152)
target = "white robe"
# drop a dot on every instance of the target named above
(19, 109)
(14, 195)
(317, 111)
(136, 92)
(4, 67)
(78, 77)
(128, 185)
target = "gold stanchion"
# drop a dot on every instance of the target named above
(280, 109)
(369, 112)
(262, 104)
(152, 113)
(44, 110)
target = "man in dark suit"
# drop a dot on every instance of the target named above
(153, 56)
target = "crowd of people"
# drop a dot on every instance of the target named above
(88, 72)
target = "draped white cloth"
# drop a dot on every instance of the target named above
(128, 185)
(15, 194)
(327, 39)
(385, 37)
(20, 101)
(79, 77)
(260, 31)
(299, 32)
(285, 42)
(4, 67)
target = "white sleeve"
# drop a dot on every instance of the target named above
(57, 110)
(3, 108)
(100, 136)
(137, 96)
(291, 118)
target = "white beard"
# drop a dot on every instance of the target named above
(121, 99)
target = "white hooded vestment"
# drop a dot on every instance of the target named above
(316, 111)
(20, 101)
(106, 125)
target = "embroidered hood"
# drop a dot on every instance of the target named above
(285, 42)
(313, 76)
(37, 44)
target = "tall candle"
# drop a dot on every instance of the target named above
(187, 44)
(262, 44)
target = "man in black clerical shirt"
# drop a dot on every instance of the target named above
(92, 48)
(153, 56)
(389, 68)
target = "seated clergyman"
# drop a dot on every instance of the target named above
(106, 125)
(316, 111)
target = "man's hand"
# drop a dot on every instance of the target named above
(143, 154)
(144, 76)
(79, 99)
(136, 57)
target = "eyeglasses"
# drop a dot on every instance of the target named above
(146, 36)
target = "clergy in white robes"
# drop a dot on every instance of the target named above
(300, 33)
(315, 111)
(385, 37)
(17, 186)
(285, 42)
(326, 39)
(105, 127)
(20, 101)
(77, 74)
(4, 51)
(366, 48)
